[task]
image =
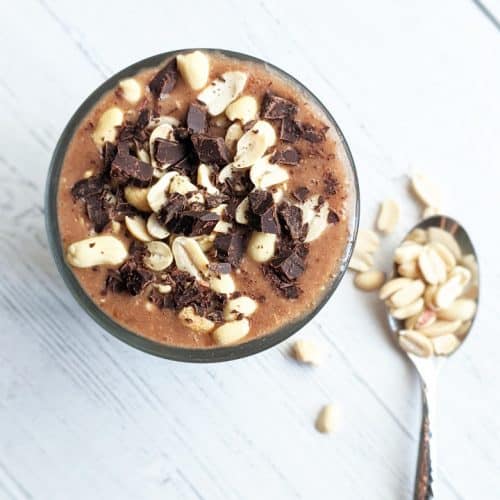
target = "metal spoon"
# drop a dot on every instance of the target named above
(428, 369)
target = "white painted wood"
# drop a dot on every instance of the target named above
(412, 84)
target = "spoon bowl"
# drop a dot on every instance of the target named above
(428, 368)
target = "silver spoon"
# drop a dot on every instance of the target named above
(428, 370)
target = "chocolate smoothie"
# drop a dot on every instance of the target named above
(204, 202)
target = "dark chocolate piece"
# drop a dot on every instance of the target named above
(194, 222)
(230, 247)
(289, 290)
(332, 218)
(220, 267)
(330, 184)
(290, 130)
(164, 81)
(181, 134)
(108, 153)
(214, 200)
(197, 118)
(161, 300)
(114, 282)
(290, 267)
(127, 167)
(211, 150)
(126, 133)
(173, 207)
(300, 194)
(97, 211)
(287, 156)
(310, 134)
(291, 216)
(87, 187)
(277, 108)
(262, 212)
(170, 152)
(134, 277)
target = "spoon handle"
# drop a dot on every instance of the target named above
(426, 465)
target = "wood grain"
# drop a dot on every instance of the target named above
(412, 85)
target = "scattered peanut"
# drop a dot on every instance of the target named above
(388, 216)
(369, 280)
(307, 351)
(327, 420)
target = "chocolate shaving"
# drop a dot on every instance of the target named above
(330, 184)
(214, 200)
(332, 217)
(288, 156)
(220, 267)
(277, 108)
(87, 187)
(230, 247)
(108, 153)
(193, 222)
(134, 277)
(300, 194)
(164, 81)
(211, 150)
(171, 210)
(290, 131)
(262, 212)
(310, 134)
(98, 211)
(291, 218)
(169, 152)
(197, 118)
(285, 288)
(127, 167)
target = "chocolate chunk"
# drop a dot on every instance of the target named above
(309, 133)
(330, 184)
(123, 148)
(288, 289)
(287, 156)
(187, 166)
(170, 152)
(262, 212)
(161, 300)
(97, 211)
(142, 120)
(126, 133)
(230, 247)
(211, 150)
(127, 167)
(134, 277)
(290, 267)
(114, 282)
(291, 217)
(214, 200)
(238, 185)
(171, 210)
(164, 81)
(290, 130)
(194, 222)
(108, 153)
(197, 118)
(332, 217)
(277, 108)
(220, 267)
(87, 187)
(300, 194)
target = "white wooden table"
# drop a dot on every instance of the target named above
(83, 416)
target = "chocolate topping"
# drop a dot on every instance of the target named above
(290, 130)
(291, 217)
(170, 152)
(330, 184)
(164, 81)
(290, 267)
(287, 156)
(134, 277)
(332, 217)
(220, 267)
(170, 211)
(277, 108)
(300, 194)
(288, 289)
(230, 247)
(211, 150)
(108, 153)
(98, 211)
(214, 200)
(197, 118)
(87, 187)
(193, 223)
(309, 133)
(262, 212)
(126, 167)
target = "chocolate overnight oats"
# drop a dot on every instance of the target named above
(204, 202)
